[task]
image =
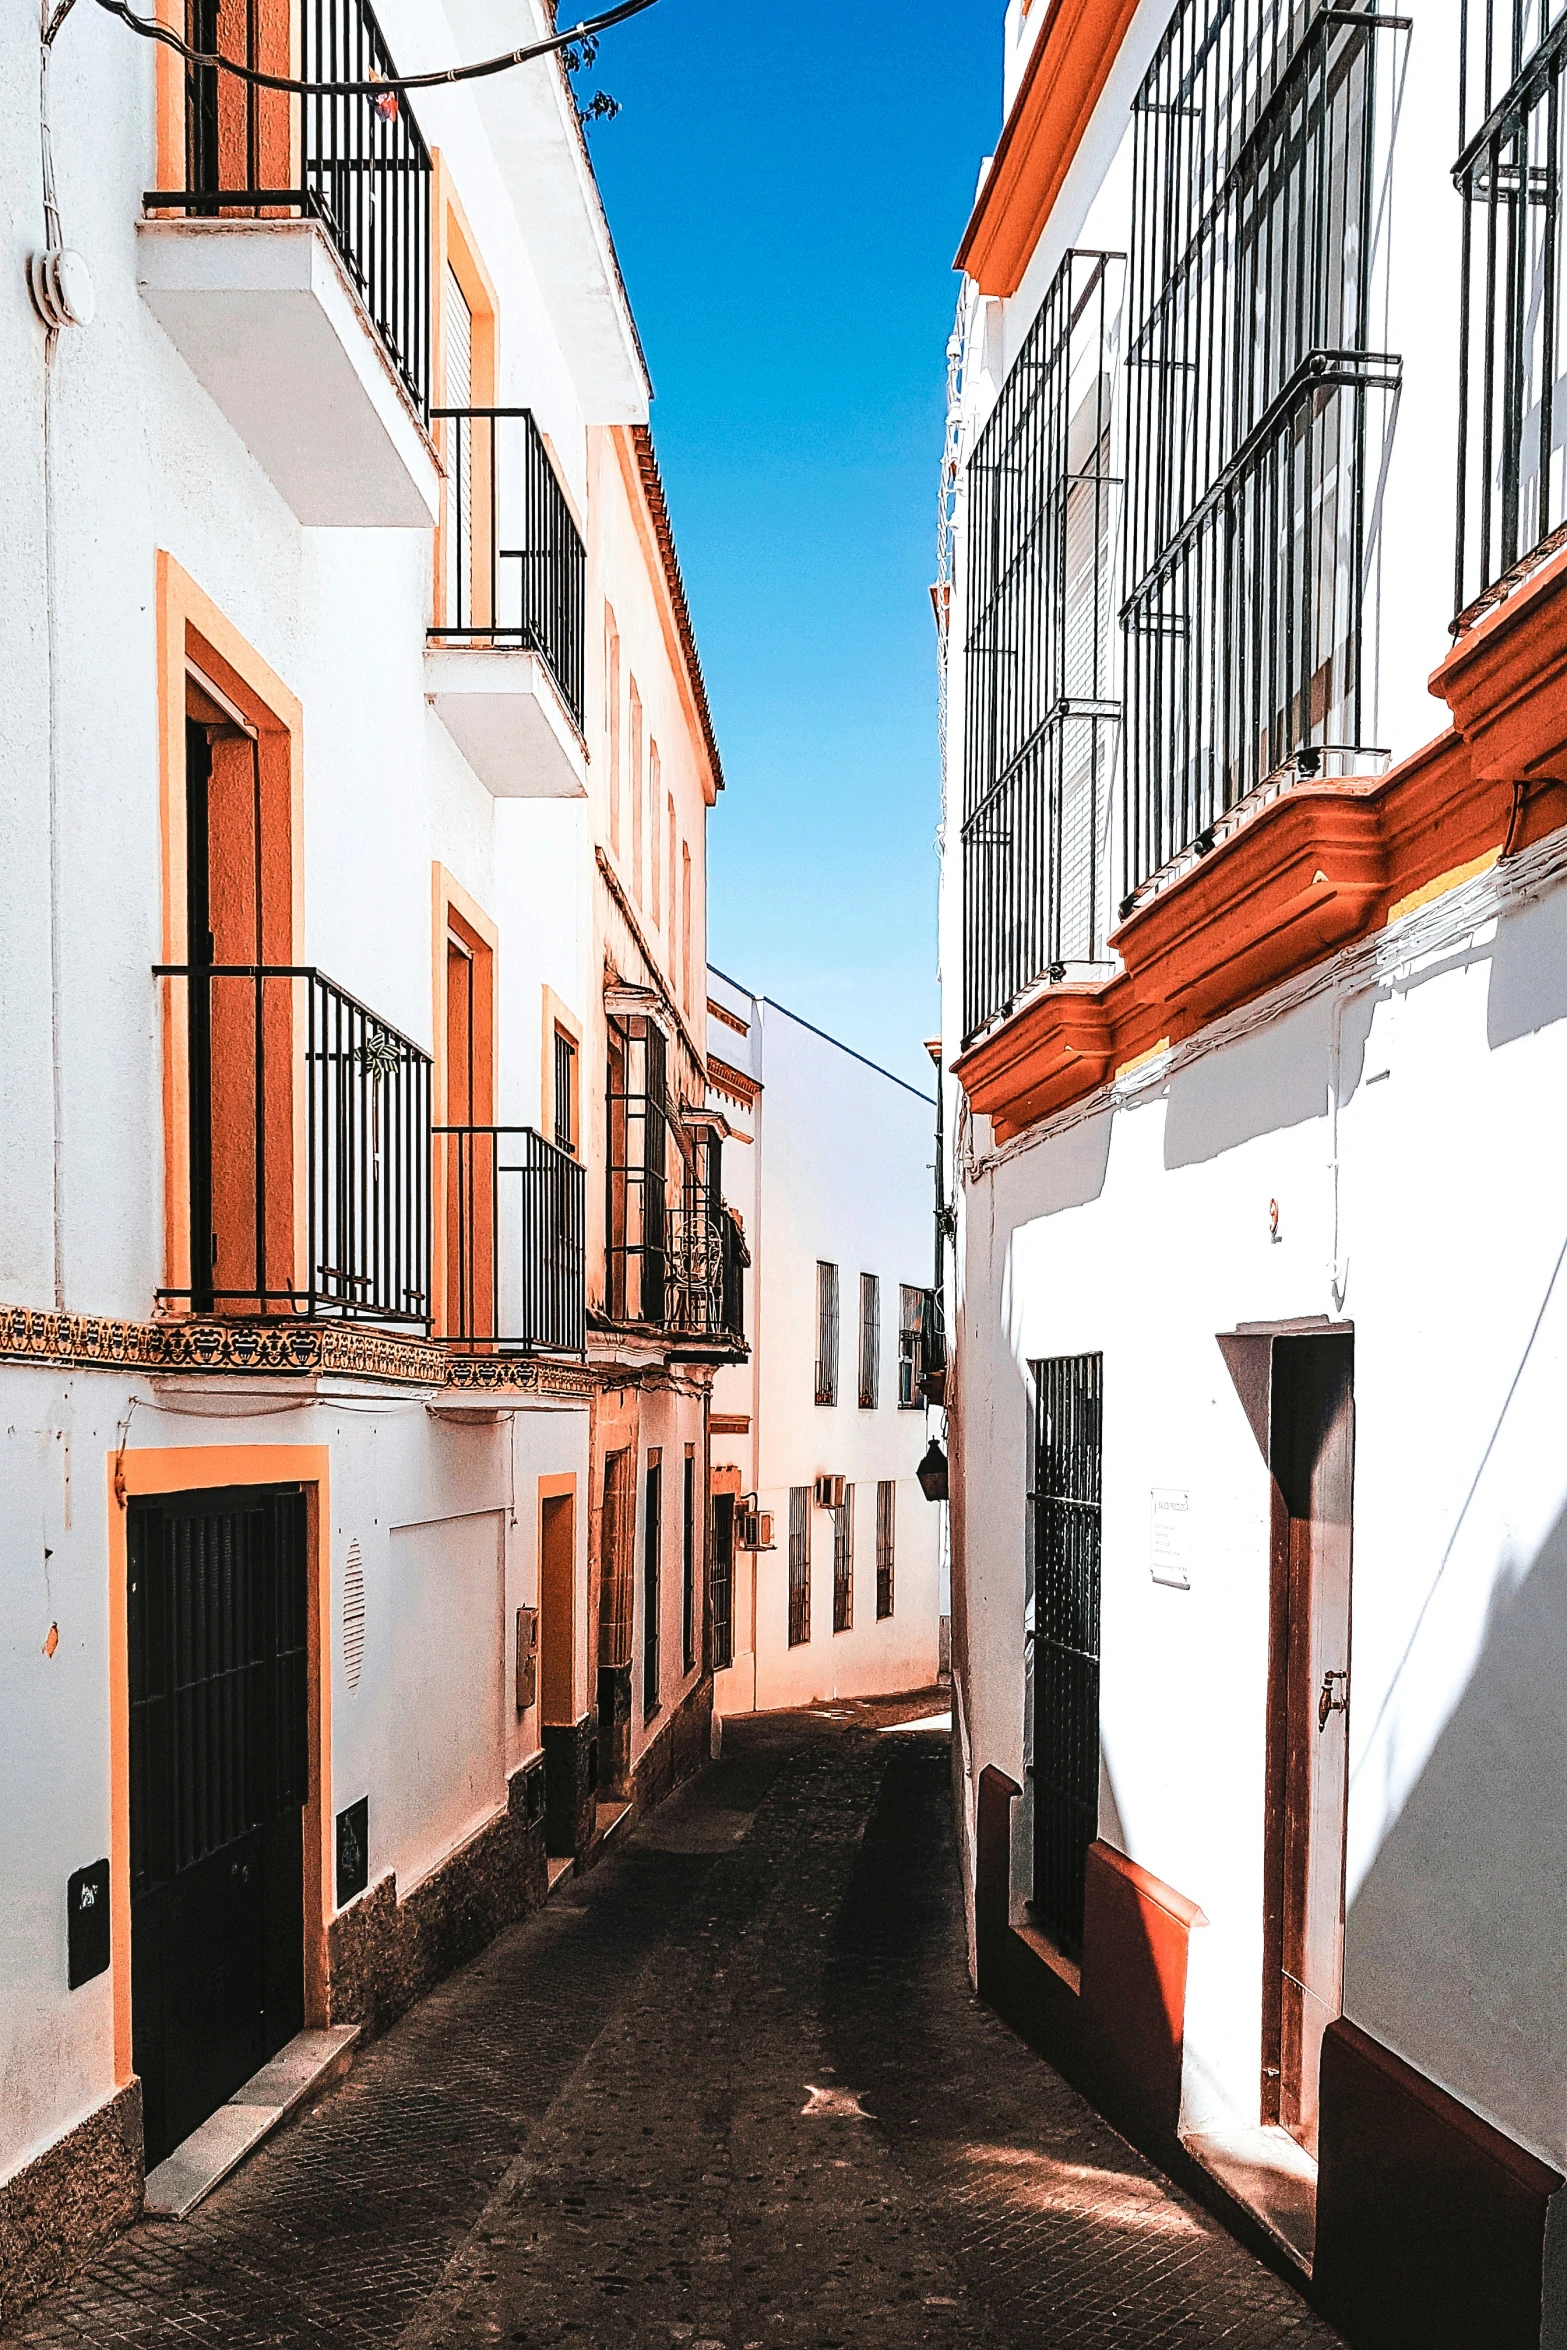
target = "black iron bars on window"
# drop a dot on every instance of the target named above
(358, 165)
(1258, 408)
(515, 570)
(1512, 401)
(1041, 675)
(1068, 1467)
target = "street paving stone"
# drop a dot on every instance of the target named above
(730, 2091)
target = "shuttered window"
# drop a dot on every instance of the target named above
(843, 1563)
(826, 1334)
(886, 1497)
(799, 1565)
(459, 394)
(870, 1341)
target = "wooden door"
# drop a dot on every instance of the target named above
(1312, 1457)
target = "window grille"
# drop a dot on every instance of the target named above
(1512, 395)
(688, 1564)
(721, 1582)
(799, 1565)
(1043, 706)
(1067, 1480)
(652, 1583)
(1257, 404)
(826, 1333)
(565, 1092)
(870, 1341)
(843, 1563)
(916, 1317)
(886, 1504)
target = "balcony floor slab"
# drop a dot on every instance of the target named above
(264, 315)
(504, 712)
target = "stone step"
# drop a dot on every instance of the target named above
(188, 2175)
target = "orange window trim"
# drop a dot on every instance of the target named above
(456, 914)
(1062, 84)
(191, 629)
(557, 1018)
(191, 1469)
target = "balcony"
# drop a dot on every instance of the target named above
(504, 666)
(306, 1147)
(681, 1271)
(516, 1226)
(290, 264)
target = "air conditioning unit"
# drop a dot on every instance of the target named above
(829, 1493)
(753, 1529)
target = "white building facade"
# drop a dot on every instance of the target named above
(354, 1364)
(828, 1568)
(1253, 922)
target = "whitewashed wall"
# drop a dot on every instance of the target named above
(1143, 1231)
(841, 1173)
(1408, 1121)
(139, 459)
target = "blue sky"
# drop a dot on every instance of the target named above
(787, 187)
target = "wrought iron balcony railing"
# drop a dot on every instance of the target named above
(1041, 666)
(1258, 401)
(308, 1144)
(357, 165)
(516, 1228)
(686, 1273)
(514, 570)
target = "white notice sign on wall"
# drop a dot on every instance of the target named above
(1170, 1558)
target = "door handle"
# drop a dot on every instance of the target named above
(1327, 1703)
(241, 1870)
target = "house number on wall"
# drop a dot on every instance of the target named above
(1170, 1554)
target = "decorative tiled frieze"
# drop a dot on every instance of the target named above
(287, 1349)
(536, 1375)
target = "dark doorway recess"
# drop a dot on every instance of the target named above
(557, 1672)
(218, 1644)
(1312, 1457)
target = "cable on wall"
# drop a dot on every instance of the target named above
(382, 86)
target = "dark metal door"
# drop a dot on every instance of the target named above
(217, 1652)
(1067, 1480)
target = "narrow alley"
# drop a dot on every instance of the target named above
(728, 2088)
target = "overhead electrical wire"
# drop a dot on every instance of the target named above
(383, 85)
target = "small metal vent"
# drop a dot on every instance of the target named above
(353, 1615)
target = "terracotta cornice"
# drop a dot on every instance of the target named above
(727, 1079)
(1317, 869)
(1062, 84)
(652, 482)
(1505, 682)
(1058, 1047)
(1307, 874)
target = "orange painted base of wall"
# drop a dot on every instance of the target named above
(1115, 2026)
(1430, 2225)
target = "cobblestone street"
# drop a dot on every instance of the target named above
(729, 2089)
